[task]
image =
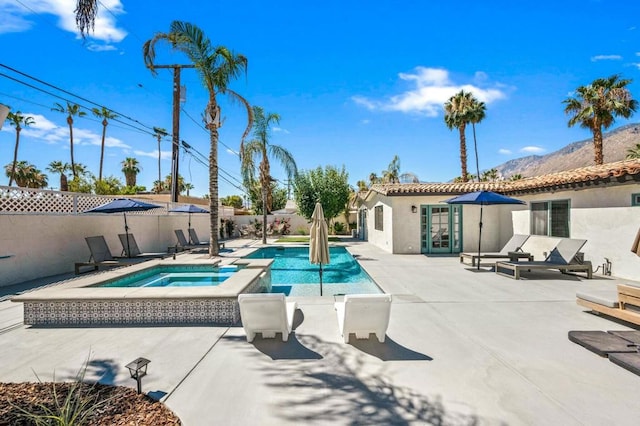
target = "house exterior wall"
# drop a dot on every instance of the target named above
(604, 216)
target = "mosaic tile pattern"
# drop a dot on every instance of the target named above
(132, 312)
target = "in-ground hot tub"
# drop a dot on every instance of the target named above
(86, 301)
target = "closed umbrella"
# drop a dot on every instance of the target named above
(482, 198)
(189, 208)
(319, 240)
(123, 205)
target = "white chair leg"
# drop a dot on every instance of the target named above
(250, 336)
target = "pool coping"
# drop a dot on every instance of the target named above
(77, 302)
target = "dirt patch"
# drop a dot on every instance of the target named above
(123, 405)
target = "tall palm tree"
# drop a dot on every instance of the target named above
(18, 120)
(71, 110)
(634, 152)
(260, 148)
(60, 167)
(159, 133)
(477, 113)
(130, 168)
(596, 106)
(188, 187)
(105, 114)
(217, 66)
(460, 110)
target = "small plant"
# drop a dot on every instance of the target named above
(301, 231)
(338, 228)
(76, 408)
(229, 227)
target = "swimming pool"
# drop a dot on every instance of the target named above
(175, 276)
(293, 274)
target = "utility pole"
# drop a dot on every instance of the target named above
(176, 128)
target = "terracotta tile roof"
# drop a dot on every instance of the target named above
(619, 171)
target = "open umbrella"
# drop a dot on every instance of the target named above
(319, 240)
(482, 198)
(189, 208)
(123, 205)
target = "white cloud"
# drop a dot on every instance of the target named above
(232, 152)
(504, 151)
(606, 58)
(636, 64)
(164, 155)
(94, 47)
(532, 149)
(280, 129)
(432, 88)
(14, 17)
(365, 121)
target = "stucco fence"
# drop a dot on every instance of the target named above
(42, 233)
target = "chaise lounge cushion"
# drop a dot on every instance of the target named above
(607, 298)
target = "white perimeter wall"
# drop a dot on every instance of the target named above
(41, 245)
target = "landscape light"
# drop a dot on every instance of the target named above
(138, 369)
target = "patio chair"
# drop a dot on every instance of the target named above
(266, 313)
(564, 257)
(363, 314)
(196, 241)
(101, 256)
(512, 250)
(130, 249)
(183, 244)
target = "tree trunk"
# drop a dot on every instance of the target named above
(104, 132)
(64, 185)
(597, 146)
(213, 181)
(264, 211)
(73, 164)
(463, 154)
(15, 155)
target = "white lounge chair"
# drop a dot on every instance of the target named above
(266, 313)
(362, 314)
(512, 250)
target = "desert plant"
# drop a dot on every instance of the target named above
(301, 230)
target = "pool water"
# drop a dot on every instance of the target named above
(294, 275)
(175, 276)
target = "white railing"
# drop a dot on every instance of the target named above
(26, 200)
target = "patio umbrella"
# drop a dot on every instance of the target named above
(123, 205)
(319, 240)
(189, 208)
(482, 198)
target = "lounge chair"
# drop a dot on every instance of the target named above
(130, 248)
(195, 241)
(101, 256)
(563, 257)
(363, 314)
(183, 244)
(266, 313)
(512, 250)
(624, 303)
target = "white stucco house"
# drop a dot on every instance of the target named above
(598, 203)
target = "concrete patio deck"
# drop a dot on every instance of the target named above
(463, 347)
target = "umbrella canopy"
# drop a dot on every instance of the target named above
(189, 208)
(319, 240)
(123, 205)
(482, 198)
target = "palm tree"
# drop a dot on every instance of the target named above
(260, 148)
(130, 168)
(461, 109)
(392, 174)
(86, 12)
(188, 187)
(491, 175)
(217, 66)
(634, 152)
(477, 113)
(71, 110)
(60, 167)
(373, 178)
(159, 133)
(596, 106)
(18, 120)
(105, 114)
(26, 175)
(517, 176)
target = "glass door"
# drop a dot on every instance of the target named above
(440, 227)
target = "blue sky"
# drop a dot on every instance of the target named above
(355, 82)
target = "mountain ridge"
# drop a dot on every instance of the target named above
(578, 154)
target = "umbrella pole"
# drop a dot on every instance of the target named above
(321, 279)
(480, 237)
(126, 233)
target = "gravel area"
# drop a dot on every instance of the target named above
(113, 405)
